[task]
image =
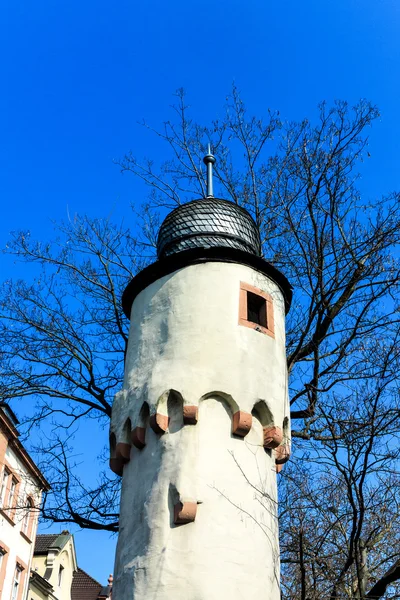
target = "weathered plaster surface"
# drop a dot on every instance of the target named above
(231, 549)
(185, 336)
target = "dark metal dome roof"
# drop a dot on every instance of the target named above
(206, 223)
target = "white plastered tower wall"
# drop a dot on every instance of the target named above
(198, 517)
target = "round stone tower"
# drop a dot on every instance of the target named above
(202, 424)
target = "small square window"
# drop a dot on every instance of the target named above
(256, 309)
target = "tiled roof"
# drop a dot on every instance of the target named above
(44, 541)
(84, 587)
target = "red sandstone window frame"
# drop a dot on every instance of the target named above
(5, 478)
(246, 288)
(12, 484)
(13, 494)
(23, 571)
(5, 551)
(28, 520)
(16, 582)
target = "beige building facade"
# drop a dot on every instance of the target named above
(53, 567)
(55, 573)
(21, 487)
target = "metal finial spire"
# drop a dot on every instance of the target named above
(209, 160)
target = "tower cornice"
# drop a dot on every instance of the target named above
(194, 256)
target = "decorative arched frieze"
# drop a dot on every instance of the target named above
(138, 436)
(241, 421)
(169, 412)
(229, 400)
(272, 435)
(115, 465)
(175, 404)
(123, 452)
(159, 423)
(159, 420)
(119, 454)
(126, 432)
(264, 413)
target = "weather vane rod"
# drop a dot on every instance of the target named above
(209, 160)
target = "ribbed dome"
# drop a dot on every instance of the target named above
(206, 223)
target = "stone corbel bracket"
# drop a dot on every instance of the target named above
(241, 423)
(273, 436)
(184, 512)
(282, 455)
(121, 457)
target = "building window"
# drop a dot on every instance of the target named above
(16, 582)
(8, 492)
(60, 575)
(4, 553)
(27, 517)
(4, 483)
(256, 309)
(13, 489)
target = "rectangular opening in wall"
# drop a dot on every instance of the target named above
(257, 309)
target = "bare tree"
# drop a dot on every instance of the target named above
(340, 519)
(64, 337)
(64, 334)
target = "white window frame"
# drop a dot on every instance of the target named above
(16, 582)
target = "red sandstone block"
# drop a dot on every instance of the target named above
(272, 437)
(282, 454)
(159, 423)
(138, 437)
(190, 415)
(241, 423)
(117, 466)
(184, 512)
(123, 452)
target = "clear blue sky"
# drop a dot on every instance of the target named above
(77, 76)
